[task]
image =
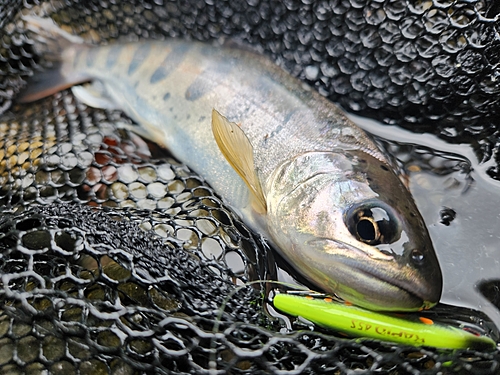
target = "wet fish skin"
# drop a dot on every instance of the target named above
(310, 224)
(323, 180)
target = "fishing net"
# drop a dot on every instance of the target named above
(117, 259)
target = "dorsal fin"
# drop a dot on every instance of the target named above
(236, 148)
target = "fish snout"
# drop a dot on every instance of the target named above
(427, 274)
(383, 284)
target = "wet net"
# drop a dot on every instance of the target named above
(117, 259)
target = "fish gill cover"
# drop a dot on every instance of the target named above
(116, 259)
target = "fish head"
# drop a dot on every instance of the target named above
(345, 221)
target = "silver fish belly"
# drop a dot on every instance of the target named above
(300, 172)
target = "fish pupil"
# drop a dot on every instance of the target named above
(366, 230)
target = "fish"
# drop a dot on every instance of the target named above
(286, 159)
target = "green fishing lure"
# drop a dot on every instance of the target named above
(359, 322)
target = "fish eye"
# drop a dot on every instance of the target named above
(373, 223)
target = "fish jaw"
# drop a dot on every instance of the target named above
(375, 284)
(311, 222)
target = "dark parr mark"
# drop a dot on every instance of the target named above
(78, 57)
(91, 56)
(173, 59)
(113, 55)
(166, 96)
(276, 131)
(288, 115)
(140, 54)
(208, 80)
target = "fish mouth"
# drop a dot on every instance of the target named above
(401, 291)
(377, 284)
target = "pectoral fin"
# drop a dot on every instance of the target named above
(236, 148)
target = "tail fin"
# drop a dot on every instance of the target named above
(50, 40)
(50, 43)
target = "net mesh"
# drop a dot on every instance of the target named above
(117, 259)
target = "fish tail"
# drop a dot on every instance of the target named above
(51, 44)
(50, 40)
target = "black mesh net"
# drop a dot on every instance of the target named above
(117, 259)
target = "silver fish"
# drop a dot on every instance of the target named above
(285, 158)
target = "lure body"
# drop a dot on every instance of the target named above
(285, 158)
(358, 322)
